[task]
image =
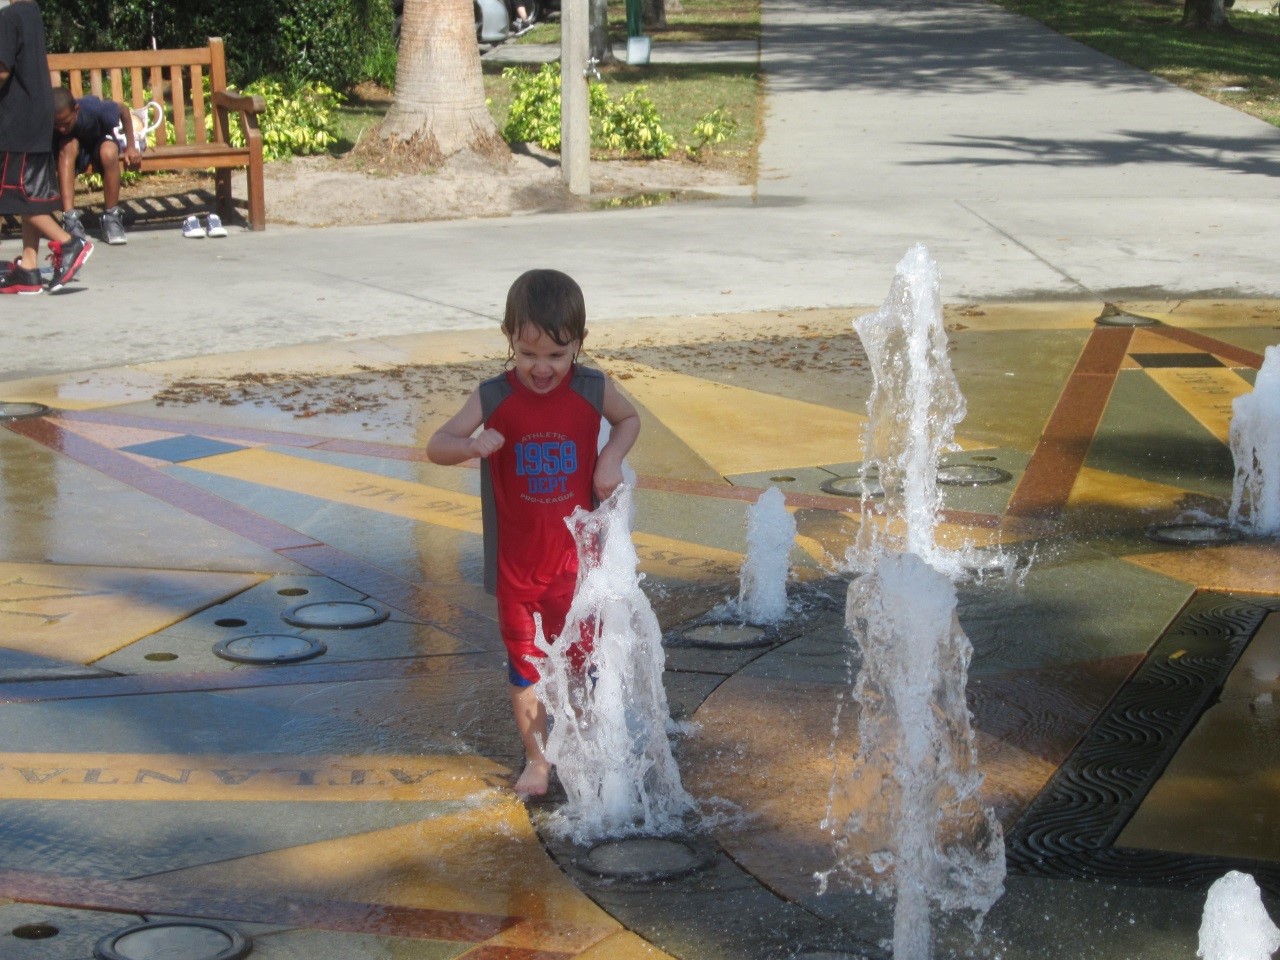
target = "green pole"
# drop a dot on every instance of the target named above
(634, 26)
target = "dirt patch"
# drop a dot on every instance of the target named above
(326, 191)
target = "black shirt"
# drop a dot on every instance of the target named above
(26, 99)
(95, 120)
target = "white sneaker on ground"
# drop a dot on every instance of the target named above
(216, 229)
(191, 228)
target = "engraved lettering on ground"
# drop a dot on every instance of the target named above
(1205, 393)
(150, 777)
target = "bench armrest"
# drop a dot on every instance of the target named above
(231, 100)
(247, 109)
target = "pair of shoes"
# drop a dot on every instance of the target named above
(113, 227)
(67, 259)
(192, 230)
(520, 27)
(20, 281)
(71, 223)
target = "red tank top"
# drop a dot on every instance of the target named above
(542, 472)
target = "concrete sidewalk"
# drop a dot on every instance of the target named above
(1031, 166)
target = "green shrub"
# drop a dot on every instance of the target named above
(300, 119)
(630, 125)
(535, 106)
(326, 41)
(715, 126)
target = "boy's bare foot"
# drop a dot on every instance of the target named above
(534, 779)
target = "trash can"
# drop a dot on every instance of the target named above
(637, 43)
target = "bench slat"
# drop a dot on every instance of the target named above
(197, 104)
(128, 58)
(157, 91)
(179, 96)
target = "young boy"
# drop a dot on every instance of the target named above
(541, 426)
(86, 130)
(28, 180)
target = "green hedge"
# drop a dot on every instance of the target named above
(329, 41)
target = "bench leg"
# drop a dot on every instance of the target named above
(257, 195)
(222, 194)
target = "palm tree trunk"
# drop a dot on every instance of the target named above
(439, 87)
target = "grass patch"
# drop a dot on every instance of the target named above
(1149, 34)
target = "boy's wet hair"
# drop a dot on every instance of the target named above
(549, 300)
(62, 100)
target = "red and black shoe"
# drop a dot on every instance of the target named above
(67, 259)
(20, 281)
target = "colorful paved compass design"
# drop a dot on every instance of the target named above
(363, 792)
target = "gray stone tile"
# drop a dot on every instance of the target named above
(33, 931)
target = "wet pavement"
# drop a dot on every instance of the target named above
(165, 524)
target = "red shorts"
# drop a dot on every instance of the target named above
(515, 623)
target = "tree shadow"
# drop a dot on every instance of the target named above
(1169, 147)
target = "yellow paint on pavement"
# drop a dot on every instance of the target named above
(738, 430)
(1102, 490)
(78, 614)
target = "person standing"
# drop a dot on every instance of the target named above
(28, 173)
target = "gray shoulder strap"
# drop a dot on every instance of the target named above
(492, 392)
(588, 383)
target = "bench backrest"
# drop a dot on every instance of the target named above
(172, 78)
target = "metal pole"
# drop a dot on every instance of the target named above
(575, 124)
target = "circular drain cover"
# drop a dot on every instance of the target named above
(1192, 533)
(1113, 316)
(971, 475)
(641, 858)
(269, 648)
(15, 410)
(865, 488)
(983, 561)
(166, 940)
(728, 634)
(336, 614)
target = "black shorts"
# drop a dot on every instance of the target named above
(28, 183)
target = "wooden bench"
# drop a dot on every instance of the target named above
(175, 80)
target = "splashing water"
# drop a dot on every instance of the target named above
(604, 693)
(912, 413)
(910, 822)
(1255, 446)
(1235, 924)
(762, 582)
